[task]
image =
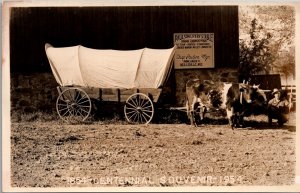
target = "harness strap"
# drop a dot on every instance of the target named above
(241, 98)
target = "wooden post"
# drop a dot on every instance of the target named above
(290, 99)
(59, 90)
(119, 95)
(100, 94)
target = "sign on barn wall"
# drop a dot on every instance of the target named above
(194, 50)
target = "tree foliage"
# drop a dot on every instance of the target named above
(278, 20)
(255, 54)
(286, 66)
(266, 40)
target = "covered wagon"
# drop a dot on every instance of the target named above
(78, 68)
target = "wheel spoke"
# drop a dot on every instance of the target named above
(144, 117)
(131, 105)
(147, 111)
(146, 114)
(78, 109)
(130, 112)
(75, 112)
(137, 99)
(80, 113)
(83, 101)
(137, 118)
(82, 97)
(68, 111)
(65, 101)
(84, 111)
(71, 97)
(62, 104)
(132, 115)
(77, 95)
(74, 95)
(131, 108)
(63, 109)
(83, 106)
(145, 103)
(133, 102)
(147, 107)
(72, 112)
(140, 118)
(142, 102)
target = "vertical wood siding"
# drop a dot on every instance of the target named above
(117, 28)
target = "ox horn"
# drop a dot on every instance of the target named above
(256, 86)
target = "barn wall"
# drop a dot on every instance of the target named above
(33, 92)
(32, 84)
(117, 28)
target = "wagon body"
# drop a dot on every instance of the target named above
(136, 76)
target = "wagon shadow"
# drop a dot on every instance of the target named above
(173, 117)
(111, 111)
(258, 125)
(166, 116)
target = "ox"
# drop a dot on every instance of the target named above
(243, 100)
(238, 99)
(196, 98)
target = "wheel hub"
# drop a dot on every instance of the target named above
(72, 105)
(139, 110)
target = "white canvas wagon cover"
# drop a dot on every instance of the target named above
(81, 66)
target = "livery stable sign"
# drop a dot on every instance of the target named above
(194, 50)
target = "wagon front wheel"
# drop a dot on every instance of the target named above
(73, 104)
(139, 109)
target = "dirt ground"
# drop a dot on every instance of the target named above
(56, 154)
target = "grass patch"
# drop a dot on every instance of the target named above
(39, 116)
(160, 117)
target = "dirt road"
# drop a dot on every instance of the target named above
(53, 154)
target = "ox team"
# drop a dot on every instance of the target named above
(238, 99)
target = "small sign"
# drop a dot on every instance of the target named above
(194, 50)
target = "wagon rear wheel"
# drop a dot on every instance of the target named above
(139, 109)
(73, 104)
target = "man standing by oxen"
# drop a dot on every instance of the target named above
(278, 108)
